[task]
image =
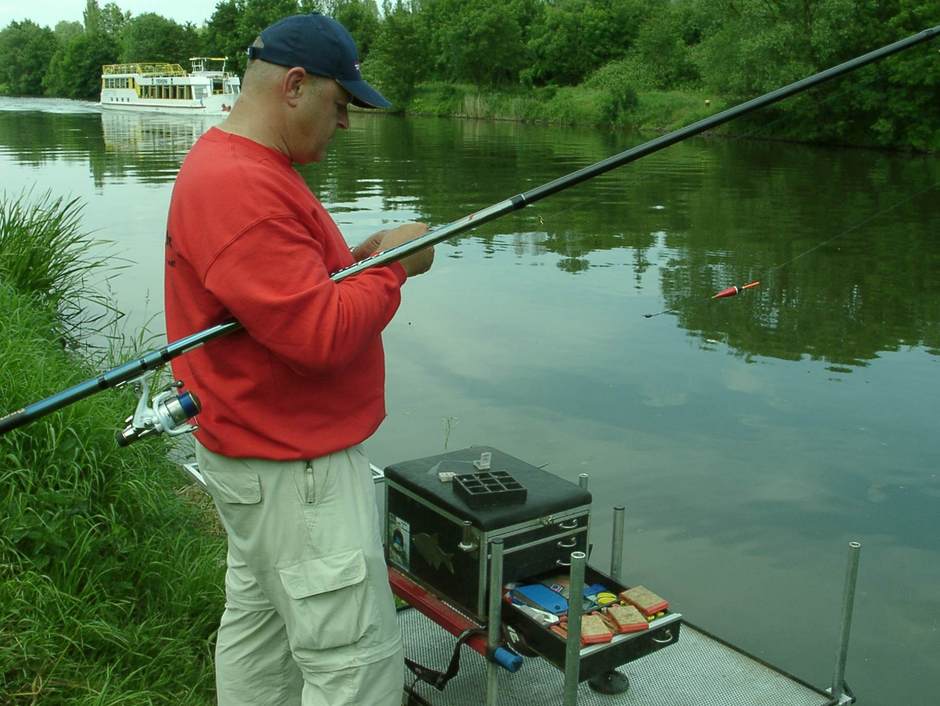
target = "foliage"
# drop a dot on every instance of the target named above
(661, 54)
(361, 18)
(109, 20)
(65, 31)
(397, 60)
(762, 46)
(75, 69)
(482, 42)
(574, 37)
(109, 581)
(91, 17)
(40, 244)
(618, 94)
(26, 49)
(151, 37)
(235, 24)
(221, 27)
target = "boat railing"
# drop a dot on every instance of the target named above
(200, 64)
(144, 69)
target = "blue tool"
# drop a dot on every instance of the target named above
(540, 596)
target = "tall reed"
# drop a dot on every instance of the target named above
(45, 255)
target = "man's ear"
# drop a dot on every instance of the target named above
(293, 82)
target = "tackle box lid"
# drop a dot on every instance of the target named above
(546, 493)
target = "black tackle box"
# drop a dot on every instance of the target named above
(435, 531)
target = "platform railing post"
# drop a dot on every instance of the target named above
(616, 546)
(848, 601)
(573, 643)
(494, 619)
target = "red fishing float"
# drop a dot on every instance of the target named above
(732, 291)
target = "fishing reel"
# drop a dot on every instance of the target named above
(169, 412)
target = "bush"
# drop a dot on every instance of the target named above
(615, 83)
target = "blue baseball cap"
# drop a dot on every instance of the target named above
(321, 46)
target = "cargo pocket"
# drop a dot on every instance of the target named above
(329, 605)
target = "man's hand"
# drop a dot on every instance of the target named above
(418, 262)
(369, 246)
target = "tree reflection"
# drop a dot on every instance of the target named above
(843, 241)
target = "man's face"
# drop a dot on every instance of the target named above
(322, 108)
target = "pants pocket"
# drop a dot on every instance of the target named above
(329, 607)
(234, 488)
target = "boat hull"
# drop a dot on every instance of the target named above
(221, 107)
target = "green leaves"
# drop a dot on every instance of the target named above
(151, 37)
(25, 51)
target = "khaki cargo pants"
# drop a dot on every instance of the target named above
(309, 617)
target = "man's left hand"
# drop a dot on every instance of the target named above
(369, 246)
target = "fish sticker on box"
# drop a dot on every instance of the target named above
(429, 547)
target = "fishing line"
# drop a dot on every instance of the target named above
(726, 293)
(853, 227)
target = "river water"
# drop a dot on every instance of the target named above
(750, 438)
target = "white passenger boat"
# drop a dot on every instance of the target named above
(208, 89)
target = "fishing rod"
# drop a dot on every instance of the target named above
(168, 413)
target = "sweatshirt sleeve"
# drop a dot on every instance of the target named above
(274, 281)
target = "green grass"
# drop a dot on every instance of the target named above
(566, 105)
(110, 580)
(602, 101)
(664, 111)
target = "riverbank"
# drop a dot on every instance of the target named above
(606, 102)
(110, 584)
(588, 104)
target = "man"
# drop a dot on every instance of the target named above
(309, 616)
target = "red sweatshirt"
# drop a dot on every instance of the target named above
(247, 239)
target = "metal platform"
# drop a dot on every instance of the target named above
(696, 671)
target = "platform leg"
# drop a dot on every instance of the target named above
(848, 602)
(616, 546)
(612, 682)
(494, 619)
(573, 643)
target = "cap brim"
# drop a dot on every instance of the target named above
(364, 95)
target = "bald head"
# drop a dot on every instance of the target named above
(260, 76)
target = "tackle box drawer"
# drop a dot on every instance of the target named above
(599, 658)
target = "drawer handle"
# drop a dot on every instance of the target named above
(570, 524)
(559, 562)
(570, 544)
(665, 639)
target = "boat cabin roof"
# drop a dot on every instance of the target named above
(144, 68)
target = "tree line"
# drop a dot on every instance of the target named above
(730, 49)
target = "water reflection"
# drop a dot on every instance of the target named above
(841, 241)
(115, 145)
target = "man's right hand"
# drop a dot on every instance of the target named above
(418, 262)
